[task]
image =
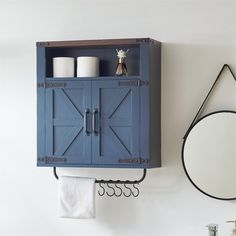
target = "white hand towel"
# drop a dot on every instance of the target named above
(76, 197)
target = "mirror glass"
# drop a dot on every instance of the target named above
(209, 155)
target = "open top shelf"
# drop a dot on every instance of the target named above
(104, 49)
(107, 56)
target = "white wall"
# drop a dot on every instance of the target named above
(198, 37)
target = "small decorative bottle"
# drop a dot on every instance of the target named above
(121, 68)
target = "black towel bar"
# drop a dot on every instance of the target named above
(115, 182)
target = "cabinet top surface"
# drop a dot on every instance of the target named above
(96, 42)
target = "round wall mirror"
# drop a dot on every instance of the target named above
(209, 155)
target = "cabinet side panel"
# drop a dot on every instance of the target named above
(144, 103)
(155, 104)
(40, 103)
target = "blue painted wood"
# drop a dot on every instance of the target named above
(51, 79)
(49, 122)
(66, 100)
(128, 116)
(65, 109)
(120, 165)
(145, 102)
(41, 71)
(119, 122)
(155, 105)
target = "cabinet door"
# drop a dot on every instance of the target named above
(68, 124)
(115, 121)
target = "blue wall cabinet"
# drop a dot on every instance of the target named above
(104, 121)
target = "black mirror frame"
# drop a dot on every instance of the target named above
(182, 153)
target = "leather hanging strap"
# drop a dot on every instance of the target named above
(208, 95)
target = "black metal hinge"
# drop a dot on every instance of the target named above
(137, 83)
(134, 161)
(52, 159)
(51, 85)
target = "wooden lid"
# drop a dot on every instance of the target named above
(97, 42)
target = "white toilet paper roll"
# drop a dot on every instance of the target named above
(63, 67)
(87, 66)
